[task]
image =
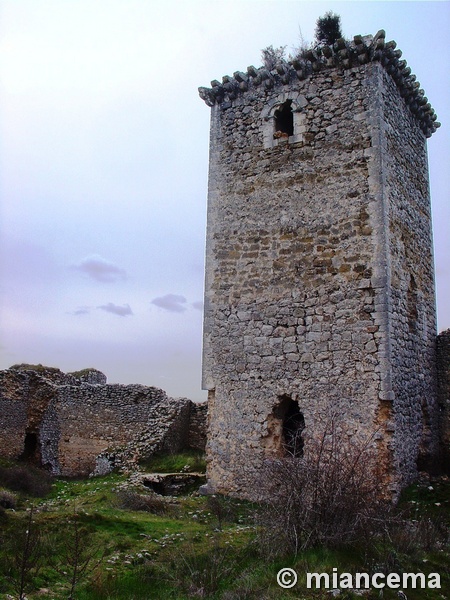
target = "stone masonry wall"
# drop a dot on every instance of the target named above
(14, 393)
(68, 426)
(197, 426)
(411, 292)
(304, 271)
(443, 371)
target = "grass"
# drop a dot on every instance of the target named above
(38, 368)
(203, 547)
(189, 460)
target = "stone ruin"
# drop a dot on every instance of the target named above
(319, 294)
(76, 424)
(443, 378)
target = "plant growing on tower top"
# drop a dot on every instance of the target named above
(328, 29)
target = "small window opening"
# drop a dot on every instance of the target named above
(284, 119)
(292, 423)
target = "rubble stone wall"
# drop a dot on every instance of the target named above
(443, 371)
(197, 426)
(65, 424)
(14, 392)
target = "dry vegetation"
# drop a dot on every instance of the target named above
(101, 539)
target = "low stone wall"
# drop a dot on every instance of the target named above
(443, 376)
(75, 424)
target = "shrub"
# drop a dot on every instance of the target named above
(131, 500)
(271, 56)
(78, 554)
(410, 536)
(328, 28)
(23, 556)
(222, 508)
(7, 499)
(328, 497)
(26, 479)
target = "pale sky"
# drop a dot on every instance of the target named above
(104, 162)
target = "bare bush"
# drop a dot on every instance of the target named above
(26, 479)
(271, 56)
(78, 556)
(329, 497)
(222, 508)
(24, 555)
(131, 500)
(410, 536)
(7, 499)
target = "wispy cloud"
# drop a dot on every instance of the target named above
(171, 302)
(99, 269)
(121, 311)
(82, 310)
(198, 305)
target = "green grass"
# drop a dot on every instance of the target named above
(191, 460)
(202, 545)
(38, 368)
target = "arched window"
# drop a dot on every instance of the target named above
(284, 118)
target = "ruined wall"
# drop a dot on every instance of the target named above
(302, 235)
(197, 426)
(92, 418)
(443, 372)
(14, 393)
(75, 428)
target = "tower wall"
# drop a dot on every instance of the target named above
(410, 286)
(319, 276)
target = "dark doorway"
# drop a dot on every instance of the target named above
(293, 424)
(30, 448)
(284, 118)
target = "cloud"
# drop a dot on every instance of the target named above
(198, 305)
(99, 269)
(82, 310)
(171, 302)
(121, 311)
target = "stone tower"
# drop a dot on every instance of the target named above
(319, 292)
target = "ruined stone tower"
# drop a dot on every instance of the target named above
(319, 268)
